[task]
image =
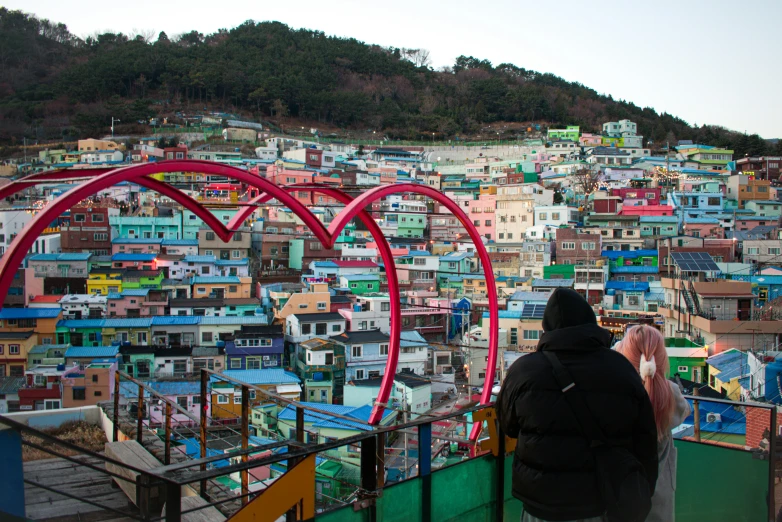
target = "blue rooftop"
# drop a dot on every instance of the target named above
(180, 242)
(137, 241)
(635, 270)
(138, 322)
(627, 285)
(731, 364)
(324, 420)
(199, 259)
(325, 264)
(91, 352)
(80, 323)
(133, 257)
(30, 313)
(175, 320)
(82, 256)
(628, 254)
(232, 262)
(659, 219)
(257, 377)
(214, 280)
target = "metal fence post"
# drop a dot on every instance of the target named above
(204, 383)
(499, 513)
(115, 429)
(369, 472)
(425, 469)
(173, 502)
(772, 462)
(245, 436)
(140, 414)
(167, 442)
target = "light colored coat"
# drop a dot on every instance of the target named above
(663, 506)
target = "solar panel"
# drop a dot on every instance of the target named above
(694, 262)
(533, 311)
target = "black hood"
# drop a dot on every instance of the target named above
(566, 308)
(569, 323)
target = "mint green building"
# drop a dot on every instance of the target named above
(360, 284)
(687, 358)
(659, 226)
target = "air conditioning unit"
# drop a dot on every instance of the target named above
(713, 417)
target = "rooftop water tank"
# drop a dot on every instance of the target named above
(356, 307)
(317, 376)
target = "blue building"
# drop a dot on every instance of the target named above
(256, 348)
(366, 353)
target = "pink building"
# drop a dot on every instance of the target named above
(590, 140)
(142, 302)
(482, 214)
(704, 227)
(637, 196)
(646, 210)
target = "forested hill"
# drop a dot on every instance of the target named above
(54, 85)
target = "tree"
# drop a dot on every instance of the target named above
(584, 181)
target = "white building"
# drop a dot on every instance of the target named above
(83, 306)
(555, 215)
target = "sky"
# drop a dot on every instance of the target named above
(705, 61)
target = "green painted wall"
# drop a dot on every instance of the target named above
(296, 253)
(565, 271)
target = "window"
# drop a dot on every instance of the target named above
(568, 246)
(233, 289)
(320, 329)
(182, 402)
(335, 328)
(100, 237)
(362, 325)
(774, 251)
(236, 254)
(487, 222)
(321, 306)
(555, 216)
(306, 329)
(359, 374)
(357, 350)
(79, 394)
(588, 245)
(79, 218)
(384, 349)
(210, 236)
(683, 368)
(531, 335)
(543, 215)
(97, 218)
(236, 363)
(222, 398)
(753, 250)
(13, 349)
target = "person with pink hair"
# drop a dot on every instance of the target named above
(644, 347)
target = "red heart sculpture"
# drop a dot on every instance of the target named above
(354, 208)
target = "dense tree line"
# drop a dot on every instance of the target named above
(54, 85)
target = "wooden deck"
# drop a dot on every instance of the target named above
(81, 481)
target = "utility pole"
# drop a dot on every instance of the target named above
(24, 140)
(405, 419)
(113, 119)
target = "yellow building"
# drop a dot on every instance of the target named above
(41, 321)
(14, 349)
(92, 144)
(104, 281)
(726, 369)
(316, 300)
(221, 287)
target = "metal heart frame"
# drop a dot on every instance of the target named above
(354, 208)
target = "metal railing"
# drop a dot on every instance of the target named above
(172, 478)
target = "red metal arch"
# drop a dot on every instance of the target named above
(17, 250)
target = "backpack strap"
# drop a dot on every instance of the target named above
(576, 401)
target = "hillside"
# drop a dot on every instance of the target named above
(55, 86)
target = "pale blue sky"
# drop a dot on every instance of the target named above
(706, 61)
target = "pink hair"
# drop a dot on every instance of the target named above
(643, 340)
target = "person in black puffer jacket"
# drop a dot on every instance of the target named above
(553, 467)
